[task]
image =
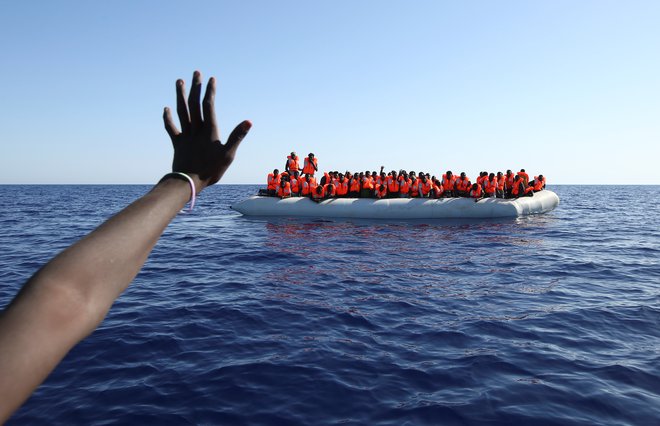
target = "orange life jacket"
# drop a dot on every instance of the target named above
(414, 188)
(284, 192)
(308, 168)
(329, 192)
(381, 193)
(404, 186)
(305, 188)
(292, 163)
(500, 183)
(448, 184)
(367, 183)
(476, 193)
(525, 177)
(342, 188)
(437, 190)
(392, 185)
(481, 179)
(355, 185)
(515, 190)
(425, 187)
(490, 186)
(509, 179)
(273, 181)
(316, 195)
(538, 184)
(295, 185)
(462, 184)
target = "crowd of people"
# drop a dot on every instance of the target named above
(296, 181)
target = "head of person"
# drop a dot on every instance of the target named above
(341, 177)
(448, 173)
(283, 183)
(361, 174)
(516, 178)
(276, 172)
(491, 176)
(319, 189)
(508, 172)
(293, 155)
(423, 177)
(475, 186)
(382, 174)
(541, 177)
(522, 170)
(499, 174)
(462, 175)
(367, 174)
(311, 155)
(394, 173)
(374, 173)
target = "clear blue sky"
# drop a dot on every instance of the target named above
(570, 89)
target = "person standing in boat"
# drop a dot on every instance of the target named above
(311, 165)
(291, 164)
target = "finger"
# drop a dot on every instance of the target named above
(209, 110)
(170, 127)
(193, 101)
(237, 135)
(181, 106)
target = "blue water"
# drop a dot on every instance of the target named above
(543, 320)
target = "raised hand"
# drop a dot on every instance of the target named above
(198, 150)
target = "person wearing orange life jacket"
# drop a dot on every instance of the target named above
(305, 187)
(330, 190)
(284, 190)
(273, 182)
(501, 181)
(414, 185)
(524, 176)
(367, 186)
(448, 183)
(404, 185)
(538, 183)
(291, 164)
(438, 190)
(490, 185)
(342, 187)
(518, 189)
(295, 182)
(380, 191)
(462, 185)
(425, 187)
(310, 165)
(318, 194)
(476, 192)
(393, 185)
(508, 183)
(354, 186)
(483, 176)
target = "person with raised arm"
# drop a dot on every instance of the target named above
(68, 297)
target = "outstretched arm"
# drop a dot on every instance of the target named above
(68, 298)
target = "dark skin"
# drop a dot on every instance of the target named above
(69, 296)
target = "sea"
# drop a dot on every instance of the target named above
(550, 319)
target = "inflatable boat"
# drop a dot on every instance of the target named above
(399, 208)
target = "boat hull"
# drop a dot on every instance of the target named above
(399, 208)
